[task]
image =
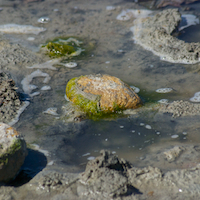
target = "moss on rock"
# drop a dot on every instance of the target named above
(99, 95)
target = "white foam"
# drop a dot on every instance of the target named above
(30, 38)
(174, 136)
(37, 147)
(110, 7)
(19, 112)
(91, 158)
(130, 13)
(147, 126)
(136, 89)
(23, 29)
(196, 97)
(50, 163)
(86, 154)
(27, 80)
(51, 111)
(70, 65)
(46, 87)
(43, 20)
(164, 101)
(164, 90)
(66, 98)
(34, 94)
(190, 20)
(46, 65)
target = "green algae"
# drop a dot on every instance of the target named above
(88, 106)
(17, 145)
(68, 47)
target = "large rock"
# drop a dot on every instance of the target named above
(97, 94)
(12, 152)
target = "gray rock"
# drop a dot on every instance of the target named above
(106, 175)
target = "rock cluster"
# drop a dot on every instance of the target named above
(9, 99)
(101, 94)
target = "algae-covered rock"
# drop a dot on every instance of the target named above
(63, 47)
(12, 152)
(101, 94)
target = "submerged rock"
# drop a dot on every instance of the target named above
(63, 47)
(155, 34)
(12, 152)
(101, 94)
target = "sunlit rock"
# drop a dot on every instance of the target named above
(12, 152)
(97, 94)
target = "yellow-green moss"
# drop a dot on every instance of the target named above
(17, 145)
(59, 49)
(88, 106)
(63, 47)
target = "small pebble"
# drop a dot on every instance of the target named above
(148, 126)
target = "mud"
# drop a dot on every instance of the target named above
(97, 182)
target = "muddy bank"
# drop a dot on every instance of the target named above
(97, 182)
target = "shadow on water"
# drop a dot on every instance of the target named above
(33, 164)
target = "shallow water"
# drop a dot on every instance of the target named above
(72, 144)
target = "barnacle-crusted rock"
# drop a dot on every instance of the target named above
(97, 94)
(9, 99)
(155, 34)
(12, 152)
(181, 108)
